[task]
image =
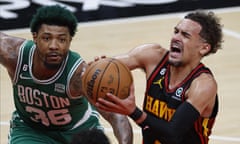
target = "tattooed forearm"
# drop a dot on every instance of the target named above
(121, 127)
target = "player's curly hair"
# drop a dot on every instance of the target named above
(211, 28)
(54, 15)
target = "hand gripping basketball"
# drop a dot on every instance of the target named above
(107, 75)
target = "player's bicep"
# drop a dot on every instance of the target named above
(128, 60)
(202, 92)
(76, 81)
(138, 57)
(9, 50)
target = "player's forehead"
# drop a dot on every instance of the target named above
(188, 26)
(54, 30)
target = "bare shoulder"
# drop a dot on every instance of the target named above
(153, 49)
(206, 82)
(202, 93)
(144, 57)
(9, 51)
(149, 55)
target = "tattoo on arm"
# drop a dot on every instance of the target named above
(121, 127)
(76, 80)
(9, 47)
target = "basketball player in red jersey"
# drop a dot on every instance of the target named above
(180, 103)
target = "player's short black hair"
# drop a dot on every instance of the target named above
(54, 15)
(211, 28)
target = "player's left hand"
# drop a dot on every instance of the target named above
(114, 104)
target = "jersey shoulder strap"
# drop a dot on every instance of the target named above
(23, 56)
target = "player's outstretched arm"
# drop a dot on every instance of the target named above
(121, 126)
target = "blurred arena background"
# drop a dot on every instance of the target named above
(112, 27)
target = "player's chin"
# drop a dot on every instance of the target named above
(174, 62)
(53, 65)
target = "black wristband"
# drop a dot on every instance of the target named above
(136, 114)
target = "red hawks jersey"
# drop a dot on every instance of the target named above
(162, 102)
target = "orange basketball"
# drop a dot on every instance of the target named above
(107, 75)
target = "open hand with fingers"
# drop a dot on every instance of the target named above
(114, 104)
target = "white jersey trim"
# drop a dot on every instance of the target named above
(53, 78)
(84, 118)
(19, 62)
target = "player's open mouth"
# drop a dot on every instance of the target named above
(175, 50)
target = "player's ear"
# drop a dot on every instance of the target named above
(34, 35)
(205, 49)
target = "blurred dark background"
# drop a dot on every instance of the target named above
(17, 14)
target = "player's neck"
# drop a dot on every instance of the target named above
(40, 71)
(178, 74)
